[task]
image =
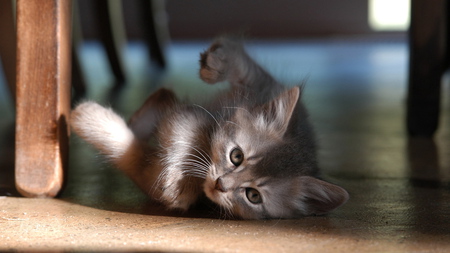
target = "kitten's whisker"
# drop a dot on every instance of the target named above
(199, 168)
(210, 114)
(204, 167)
(204, 154)
(238, 108)
(200, 159)
(193, 174)
(204, 160)
(194, 167)
(231, 122)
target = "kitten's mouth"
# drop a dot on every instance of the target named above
(209, 188)
(211, 191)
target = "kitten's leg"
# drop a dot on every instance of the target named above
(226, 60)
(108, 132)
(144, 121)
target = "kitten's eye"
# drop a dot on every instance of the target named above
(253, 196)
(236, 156)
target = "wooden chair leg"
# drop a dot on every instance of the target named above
(8, 44)
(112, 34)
(428, 51)
(155, 31)
(78, 78)
(43, 95)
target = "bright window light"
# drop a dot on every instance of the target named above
(389, 15)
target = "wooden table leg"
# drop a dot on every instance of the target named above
(43, 95)
(428, 53)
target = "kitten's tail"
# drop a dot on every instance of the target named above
(109, 133)
(102, 128)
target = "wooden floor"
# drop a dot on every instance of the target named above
(399, 187)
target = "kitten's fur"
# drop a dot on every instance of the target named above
(251, 150)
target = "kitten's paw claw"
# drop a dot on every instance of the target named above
(213, 64)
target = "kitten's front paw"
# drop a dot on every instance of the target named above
(213, 64)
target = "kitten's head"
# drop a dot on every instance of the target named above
(260, 170)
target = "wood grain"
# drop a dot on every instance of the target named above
(43, 95)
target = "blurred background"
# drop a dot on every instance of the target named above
(265, 18)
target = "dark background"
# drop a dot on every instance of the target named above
(194, 19)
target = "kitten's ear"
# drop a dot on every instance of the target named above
(278, 112)
(144, 120)
(316, 196)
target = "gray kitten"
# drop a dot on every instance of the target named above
(251, 150)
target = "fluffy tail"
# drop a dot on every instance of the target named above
(109, 133)
(102, 128)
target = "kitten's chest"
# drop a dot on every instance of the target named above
(184, 142)
(184, 139)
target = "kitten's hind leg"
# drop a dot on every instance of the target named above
(144, 121)
(226, 60)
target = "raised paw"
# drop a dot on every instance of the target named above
(213, 64)
(224, 60)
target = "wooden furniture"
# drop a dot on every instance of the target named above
(429, 54)
(43, 95)
(155, 31)
(112, 34)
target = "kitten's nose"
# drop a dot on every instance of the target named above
(219, 185)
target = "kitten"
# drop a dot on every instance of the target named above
(250, 150)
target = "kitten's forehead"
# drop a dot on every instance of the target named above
(243, 134)
(253, 140)
(265, 154)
